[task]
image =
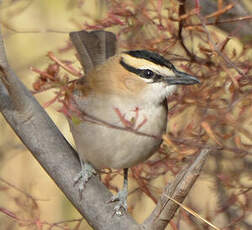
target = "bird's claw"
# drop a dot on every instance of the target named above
(87, 171)
(121, 207)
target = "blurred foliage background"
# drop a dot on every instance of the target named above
(216, 113)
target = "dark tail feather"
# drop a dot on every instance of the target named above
(93, 47)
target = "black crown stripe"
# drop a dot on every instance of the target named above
(130, 68)
(150, 56)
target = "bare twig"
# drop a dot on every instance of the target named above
(192, 56)
(216, 49)
(84, 116)
(19, 190)
(181, 25)
(178, 190)
(224, 21)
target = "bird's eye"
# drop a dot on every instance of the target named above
(147, 73)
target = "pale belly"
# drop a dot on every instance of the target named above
(108, 147)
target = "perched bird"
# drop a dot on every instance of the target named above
(124, 96)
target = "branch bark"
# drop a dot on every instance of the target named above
(178, 190)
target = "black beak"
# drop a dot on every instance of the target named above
(181, 78)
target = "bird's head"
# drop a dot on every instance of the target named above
(139, 74)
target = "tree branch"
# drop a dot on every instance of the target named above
(178, 190)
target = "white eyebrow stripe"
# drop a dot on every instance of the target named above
(141, 63)
(158, 69)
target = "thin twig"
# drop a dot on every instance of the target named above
(230, 20)
(193, 57)
(216, 49)
(98, 121)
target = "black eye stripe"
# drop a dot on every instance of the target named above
(144, 73)
(158, 78)
(147, 73)
(130, 68)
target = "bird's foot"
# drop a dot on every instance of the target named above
(87, 171)
(121, 207)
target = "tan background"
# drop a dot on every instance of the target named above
(27, 42)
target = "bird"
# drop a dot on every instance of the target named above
(122, 102)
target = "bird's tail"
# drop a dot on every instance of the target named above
(93, 47)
